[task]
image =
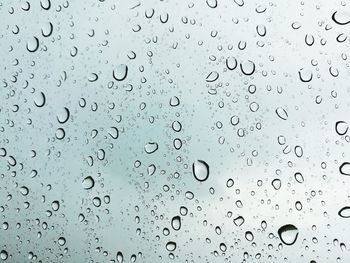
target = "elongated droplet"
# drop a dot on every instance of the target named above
(176, 223)
(344, 212)
(200, 170)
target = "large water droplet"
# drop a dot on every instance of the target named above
(120, 72)
(344, 212)
(176, 223)
(341, 127)
(151, 147)
(88, 183)
(212, 76)
(63, 115)
(345, 168)
(33, 44)
(200, 170)
(120, 257)
(282, 113)
(341, 17)
(40, 99)
(288, 234)
(3, 255)
(171, 246)
(247, 67)
(305, 75)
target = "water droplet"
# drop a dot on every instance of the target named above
(341, 17)
(113, 132)
(238, 221)
(120, 257)
(282, 113)
(249, 236)
(24, 190)
(305, 75)
(231, 63)
(240, 3)
(299, 177)
(200, 170)
(120, 72)
(276, 183)
(63, 115)
(341, 127)
(151, 147)
(61, 241)
(212, 3)
(40, 99)
(344, 212)
(171, 246)
(33, 44)
(288, 234)
(174, 101)
(60, 133)
(55, 205)
(88, 183)
(176, 223)
(46, 29)
(247, 67)
(3, 255)
(345, 168)
(45, 4)
(212, 76)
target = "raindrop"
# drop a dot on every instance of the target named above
(63, 115)
(344, 212)
(341, 127)
(60, 133)
(212, 76)
(282, 113)
(88, 183)
(212, 3)
(238, 221)
(299, 177)
(3, 255)
(341, 17)
(174, 101)
(33, 44)
(276, 183)
(231, 63)
(200, 170)
(61, 241)
(40, 100)
(176, 223)
(46, 29)
(120, 72)
(151, 147)
(345, 168)
(247, 67)
(171, 246)
(113, 132)
(288, 234)
(120, 257)
(305, 75)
